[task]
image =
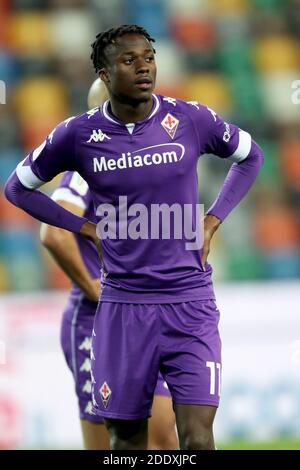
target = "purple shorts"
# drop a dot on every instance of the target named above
(76, 330)
(132, 343)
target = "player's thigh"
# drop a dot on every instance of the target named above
(195, 426)
(95, 435)
(191, 356)
(125, 360)
(162, 429)
(190, 417)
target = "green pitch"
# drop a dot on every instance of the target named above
(273, 445)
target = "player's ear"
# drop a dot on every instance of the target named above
(103, 74)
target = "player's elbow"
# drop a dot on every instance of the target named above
(256, 154)
(259, 154)
(51, 237)
(254, 160)
(11, 190)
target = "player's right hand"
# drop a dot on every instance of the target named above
(94, 291)
(89, 230)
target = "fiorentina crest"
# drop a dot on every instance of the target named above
(170, 124)
(105, 393)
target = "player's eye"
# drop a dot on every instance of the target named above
(150, 59)
(128, 61)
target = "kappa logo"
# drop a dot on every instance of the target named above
(87, 388)
(170, 100)
(86, 344)
(86, 366)
(170, 124)
(98, 136)
(91, 112)
(105, 393)
(88, 408)
(213, 113)
(66, 121)
(194, 103)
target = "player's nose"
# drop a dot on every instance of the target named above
(142, 67)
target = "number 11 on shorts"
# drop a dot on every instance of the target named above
(215, 376)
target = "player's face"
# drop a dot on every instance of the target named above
(131, 71)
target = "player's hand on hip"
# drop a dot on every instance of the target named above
(94, 290)
(211, 224)
(89, 230)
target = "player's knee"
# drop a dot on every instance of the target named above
(166, 442)
(201, 440)
(125, 434)
(170, 442)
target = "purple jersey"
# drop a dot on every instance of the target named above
(72, 188)
(152, 162)
(78, 317)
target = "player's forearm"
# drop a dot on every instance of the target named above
(64, 249)
(40, 206)
(239, 180)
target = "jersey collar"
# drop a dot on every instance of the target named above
(108, 116)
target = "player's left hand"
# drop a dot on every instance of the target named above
(211, 224)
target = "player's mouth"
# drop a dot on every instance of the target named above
(144, 83)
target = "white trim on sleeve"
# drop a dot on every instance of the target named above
(65, 194)
(27, 177)
(243, 148)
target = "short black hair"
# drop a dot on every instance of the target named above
(108, 37)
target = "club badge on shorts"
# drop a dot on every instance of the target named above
(105, 393)
(170, 124)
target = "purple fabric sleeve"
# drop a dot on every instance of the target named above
(41, 206)
(239, 180)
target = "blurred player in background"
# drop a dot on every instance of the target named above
(157, 310)
(79, 259)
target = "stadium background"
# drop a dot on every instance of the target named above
(241, 57)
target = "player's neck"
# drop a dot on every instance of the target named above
(128, 112)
